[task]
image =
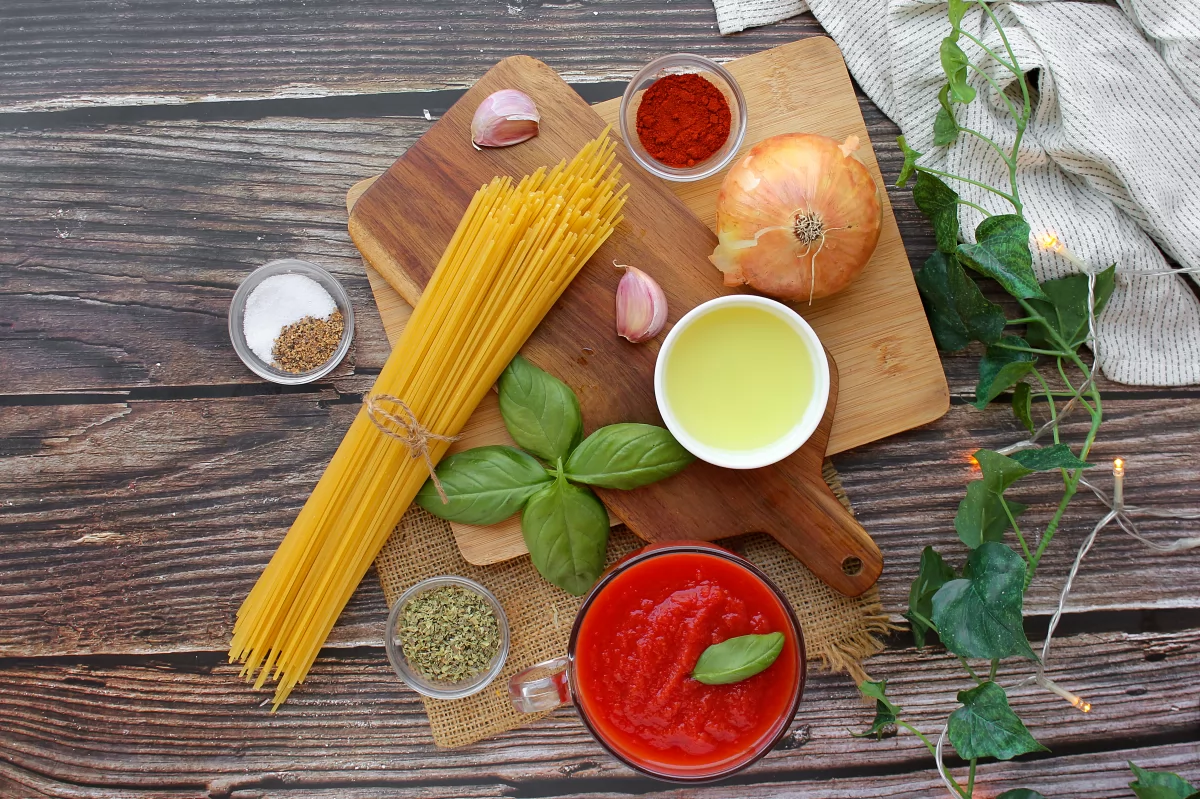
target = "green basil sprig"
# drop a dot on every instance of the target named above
(484, 485)
(564, 525)
(540, 411)
(566, 530)
(627, 456)
(737, 659)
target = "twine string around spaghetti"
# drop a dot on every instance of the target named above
(403, 425)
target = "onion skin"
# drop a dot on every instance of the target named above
(765, 201)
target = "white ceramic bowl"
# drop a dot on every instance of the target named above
(789, 443)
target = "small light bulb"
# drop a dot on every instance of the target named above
(1118, 467)
(1049, 240)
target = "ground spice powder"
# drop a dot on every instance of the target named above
(307, 344)
(682, 120)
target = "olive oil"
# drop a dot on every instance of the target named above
(739, 378)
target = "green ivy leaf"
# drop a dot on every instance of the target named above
(1043, 459)
(958, 311)
(985, 726)
(1021, 793)
(954, 64)
(1022, 406)
(539, 410)
(999, 471)
(958, 8)
(932, 574)
(979, 615)
(1066, 308)
(1160, 785)
(1001, 252)
(945, 128)
(566, 531)
(981, 515)
(910, 162)
(939, 202)
(484, 485)
(885, 712)
(1000, 368)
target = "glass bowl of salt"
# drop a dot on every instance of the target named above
(291, 322)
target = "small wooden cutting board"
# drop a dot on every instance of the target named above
(402, 223)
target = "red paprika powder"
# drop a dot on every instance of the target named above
(682, 120)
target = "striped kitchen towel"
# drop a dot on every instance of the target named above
(1111, 159)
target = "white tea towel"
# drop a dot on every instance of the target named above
(1110, 161)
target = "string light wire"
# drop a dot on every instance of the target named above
(1118, 510)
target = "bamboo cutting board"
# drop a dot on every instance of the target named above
(401, 229)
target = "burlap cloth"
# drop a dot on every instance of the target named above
(838, 631)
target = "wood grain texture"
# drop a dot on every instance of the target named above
(146, 52)
(185, 725)
(403, 222)
(90, 489)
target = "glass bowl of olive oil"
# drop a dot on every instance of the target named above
(447, 637)
(742, 381)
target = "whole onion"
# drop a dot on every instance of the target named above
(797, 218)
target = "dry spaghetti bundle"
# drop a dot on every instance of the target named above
(514, 252)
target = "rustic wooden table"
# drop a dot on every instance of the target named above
(151, 154)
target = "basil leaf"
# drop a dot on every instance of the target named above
(954, 64)
(932, 574)
(939, 202)
(484, 485)
(1160, 785)
(885, 711)
(985, 726)
(910, 162)
(1022, 406)
(737, 659)
(945, 128)
(1043, 459)
(627, 456)
(566, 531)
(958, 312)
(1021, 793)
(539, 410)
(1066, 308)
(1001, 252)
(979, 615)
(981, 515)
(1000, 368)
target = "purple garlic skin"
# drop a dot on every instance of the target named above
(503, 118)
(641, 306)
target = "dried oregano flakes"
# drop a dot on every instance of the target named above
(448, 634)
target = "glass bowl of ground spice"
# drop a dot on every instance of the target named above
(683, 117)
(291, 322)
(447, 637)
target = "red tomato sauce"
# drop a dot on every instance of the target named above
(637, 646)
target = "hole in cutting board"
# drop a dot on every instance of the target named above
(851, 566)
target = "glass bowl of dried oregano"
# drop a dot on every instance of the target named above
(447, 637)
(291, 322)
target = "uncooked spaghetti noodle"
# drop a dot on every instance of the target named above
(514, 252)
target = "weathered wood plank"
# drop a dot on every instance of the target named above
(158, 515)
(123, 246)
(78, 53)
(124, 243)
(185, 724)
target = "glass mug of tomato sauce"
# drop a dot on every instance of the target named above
(632, 650)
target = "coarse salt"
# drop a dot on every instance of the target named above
(277, 302)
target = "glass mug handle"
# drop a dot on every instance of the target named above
(532, 690)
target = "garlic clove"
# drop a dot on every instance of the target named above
(641, 305)
(503, 118)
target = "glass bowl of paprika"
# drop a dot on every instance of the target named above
(683, 117)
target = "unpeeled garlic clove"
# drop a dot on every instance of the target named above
(503, 118)
(641, 305)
